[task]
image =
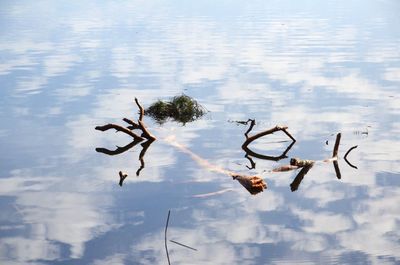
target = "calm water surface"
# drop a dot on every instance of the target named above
(319, 67)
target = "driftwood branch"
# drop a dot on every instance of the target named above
(139, 125)
(141, 109)
(119, 129)
(133, 125)
(253, 184)
(263, 133)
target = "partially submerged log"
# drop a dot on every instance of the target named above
(253, 184)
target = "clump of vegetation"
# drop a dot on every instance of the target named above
(180, 108)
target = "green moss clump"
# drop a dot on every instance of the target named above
(181, 109)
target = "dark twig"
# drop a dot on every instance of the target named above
(180, 244)
(345, 157)
(336, 147)
(141, 110)
(337, 169)
(335, 155)
(119, 149)
(253, 122)
(165, 237)
(253, 164)
(119, 129)
(266, 157)
(129, 130)
(145, 146)
(296, 182)
(133, 124)
(284, 129)
(348, 151)
(122, 177)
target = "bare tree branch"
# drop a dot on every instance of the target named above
(119, 129)
(263, 133)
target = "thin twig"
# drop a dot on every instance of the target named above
(180, 244)
(165, 237)
(122, 177)
(345, 157)
(253, 122)
(288, 134)
(133, 124)
(348, 151)
(141, 110)
(253, 164)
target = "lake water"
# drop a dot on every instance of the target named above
(318, 67)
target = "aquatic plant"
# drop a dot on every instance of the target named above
(180, 108)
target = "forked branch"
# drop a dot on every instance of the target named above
(129, 130)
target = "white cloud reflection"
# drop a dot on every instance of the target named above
(280, 75)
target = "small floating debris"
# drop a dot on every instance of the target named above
(182, 109)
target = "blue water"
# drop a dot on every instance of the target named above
(318, 67)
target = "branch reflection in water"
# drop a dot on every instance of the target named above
(145, 135)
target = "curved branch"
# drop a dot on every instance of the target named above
(265, 157)
(345, 157)
(270, 131)
(119, 149)
(253, 122)
(141, 110)
(119, 129)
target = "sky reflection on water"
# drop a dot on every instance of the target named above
(319, 68)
